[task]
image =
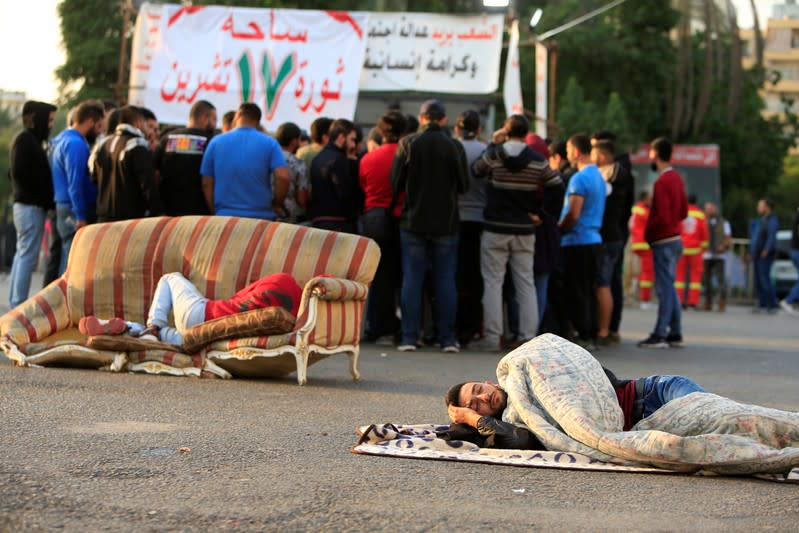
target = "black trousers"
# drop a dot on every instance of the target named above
(381, 306)
(54, 255)
(469, 282)
(617, 291)
(714, 268)
(581, 264)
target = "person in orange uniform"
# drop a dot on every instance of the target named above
(692, 265)
(640, 247)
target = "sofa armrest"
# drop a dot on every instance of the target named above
(329, 288)
(40, 316)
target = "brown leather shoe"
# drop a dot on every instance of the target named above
(708, 305)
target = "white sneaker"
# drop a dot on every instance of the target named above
(788, 308)
(406, 347)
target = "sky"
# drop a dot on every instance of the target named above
(30, 39)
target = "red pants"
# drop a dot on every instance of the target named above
(646, 277)
(689, 278)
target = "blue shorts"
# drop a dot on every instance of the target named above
(609, 256)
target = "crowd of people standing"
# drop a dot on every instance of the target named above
(495, 242)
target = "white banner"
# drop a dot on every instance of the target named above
(512, 89)
(296, 65)
(541, 99)
(435, 53)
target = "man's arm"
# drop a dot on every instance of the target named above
(772, 225)
(77, 169)
(481, 167)
(208, 192)
(573, 215)
(461, 174)
(497, 434)
(282, 181)
(399, 168)
(145, 171)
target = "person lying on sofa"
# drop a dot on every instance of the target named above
(174, 293)
(475, 409)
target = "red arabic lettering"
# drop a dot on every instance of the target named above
(256, 33)
(177, 84)
(474, 35)
(301, 37)
(307, 101)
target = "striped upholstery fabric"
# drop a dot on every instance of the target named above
(113, 269)
(38, 317)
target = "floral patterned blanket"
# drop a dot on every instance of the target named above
(419, 441)
(560, 392)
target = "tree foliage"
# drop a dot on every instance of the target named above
(90, 31)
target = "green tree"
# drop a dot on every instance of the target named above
(576, 114)
(91, 31)
(616, 120)
(785, 192)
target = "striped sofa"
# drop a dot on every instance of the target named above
(113, 269)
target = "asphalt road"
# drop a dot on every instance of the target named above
(86, 451)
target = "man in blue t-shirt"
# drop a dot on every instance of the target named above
(580, 222)
(237, 170)
(75, 194)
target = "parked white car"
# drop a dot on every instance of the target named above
(783, 272)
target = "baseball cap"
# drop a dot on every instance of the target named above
(433, 109)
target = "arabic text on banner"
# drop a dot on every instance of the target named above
(295, 64)
(436, 53)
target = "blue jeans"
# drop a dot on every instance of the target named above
(65, 224)
(177, 295)
(660, 390)
(766, 293)
(29, 223)
(417, 253)
(793, 296)
(665, 257)
(608, 259)
(541, 291)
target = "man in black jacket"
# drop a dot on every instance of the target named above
(336, 196)
(430, 169)
(122, 167)
(178, 157)
(32, 189)
(618, 205)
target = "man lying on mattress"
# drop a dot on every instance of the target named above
(178, 296)
(475, 409)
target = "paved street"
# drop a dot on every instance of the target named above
(87, 450)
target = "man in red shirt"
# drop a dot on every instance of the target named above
(663, 233)
(175, 294)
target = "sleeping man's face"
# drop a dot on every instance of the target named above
(485, 398)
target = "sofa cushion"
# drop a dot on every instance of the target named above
(256, 323)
